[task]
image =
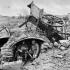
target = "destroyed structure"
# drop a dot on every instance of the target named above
(26, 41)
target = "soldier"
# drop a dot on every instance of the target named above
(35, 48)
(22, 51)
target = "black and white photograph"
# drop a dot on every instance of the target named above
(34, 34)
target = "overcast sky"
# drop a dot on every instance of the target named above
(19, 7)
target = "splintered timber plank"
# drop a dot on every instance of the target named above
(35, 11)
(39, 13)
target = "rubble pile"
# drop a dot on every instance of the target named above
(35, 44)
(51, 60)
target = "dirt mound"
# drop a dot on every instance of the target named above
(51, 60)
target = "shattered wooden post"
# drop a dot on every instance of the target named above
(62, 31)
(41, 13)
(34, 10)
(65, 19)
(31, 8)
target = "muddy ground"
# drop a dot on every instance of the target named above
(52, 59)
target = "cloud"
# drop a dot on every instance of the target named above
(14, 9)
(19, 7)
(62, 2)
(55, 9)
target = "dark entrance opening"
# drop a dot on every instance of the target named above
(3, 41)
(28, 42)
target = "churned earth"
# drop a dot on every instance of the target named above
(52, 59)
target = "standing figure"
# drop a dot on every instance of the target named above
(35, 48)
